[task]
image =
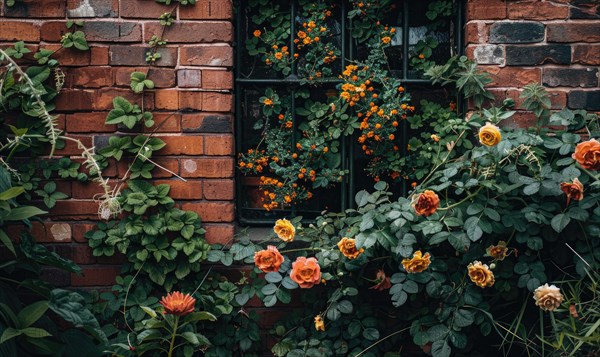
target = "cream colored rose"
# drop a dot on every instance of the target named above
(548, 298)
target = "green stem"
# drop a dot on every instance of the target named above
(461, 201)
(172, 344)
(299, 250)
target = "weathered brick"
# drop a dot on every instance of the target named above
(206, 123)
(207, 167)
(189, 78)
(58, 232)
(92, 8)
(588, 100)
(558, 98)
(217, 79)
(217, 102)
(516, 32)
(96, 276)
(102, 31)
(162, 77)
(218, 144)
(166, 99)
(75, 209)
(39, 8)
(75, 99)
(219, 190)
(103, 98)
(80, 229)
(477, 32)
(88, 190)
(207, 55)
(585, 9)
(79, 253)
(142, 9)
(70, 56)
(19, 31)
(486, 54)
(182, 145)
(573, 32)
(98, 55)
(535, 55)
(521, 119)
(84, 122)
(207, 10)
(89, 77)
(586, 54)
(512, 76)
(219, 233)
(56, 277)
(212, 211)
(191, 100)
(122, 55)
(570, 77)
(486, 9)
(192, 32)
(165, 123)
(183, 190)
(538, 10)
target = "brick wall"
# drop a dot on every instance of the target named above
(193, 80)
(555, 43)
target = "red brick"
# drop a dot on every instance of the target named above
(573, 32)
(218, 144)
(19, 31)
(512, 76)
(217, 79)
(92, 8)
(192, 32)
(182, 145)
(80, 229)
(477, 32)
(545, 10)
(207, 123)
(165, 123)
(162, 77)
(58, 232)
(142, 9)
(189, 78)
(521, 120)
(586, 54)
(486, 9)
(71, 147)
(558, 98)
(207, 55)
(38, 231)
(88, 123)
(87, 190)
(104, 98)
(217, 102)
(207, 167)
(89, 77)
(166, 99)
(81, 254)
(191, 100)
(212, 211)
(99, 55)
(183, 190)
(219, 233)
(207, 10)
(219, 189)
(129, 55)
(169, 164)
(96, 276)
(69, 56)
(75, 209)
(102, 31)
(38, 8)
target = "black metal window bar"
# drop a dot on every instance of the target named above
(409, 16)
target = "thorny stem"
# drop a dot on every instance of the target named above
(172, 344)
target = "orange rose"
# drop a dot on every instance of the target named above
(178, 304)
(497, 252)
(306, 272)
(257, 33)
(587, 154)
(348, 247)
(548, 298)
(417, 263)
(268, 260)
(319, 323)
(285, 230)
(489, 135)
(481, 274)
(383, 282)
(572, 190)
(427, 203)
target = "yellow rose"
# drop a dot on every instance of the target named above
(319, 323)
(285, 230)
(497, 252)
(348, 247)
(489, 135)
(481, 274)
(417, 263)
(548, 298)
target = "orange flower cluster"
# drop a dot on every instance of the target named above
(255, 161)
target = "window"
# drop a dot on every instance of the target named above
(272, 61)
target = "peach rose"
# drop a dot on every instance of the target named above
(481, 274)
(548, 298)
(572, 190)
(319, 323)
(426, 203)
(587, 154)
(417, 263)
(306, 272)
(268, 260)
(383, 282)
(285, 230)
(348, 247)
(497, 252)
(489, 135)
